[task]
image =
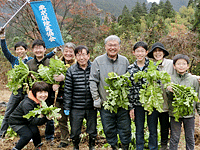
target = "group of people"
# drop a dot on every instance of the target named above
(81, 95)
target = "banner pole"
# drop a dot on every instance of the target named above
(28, 1)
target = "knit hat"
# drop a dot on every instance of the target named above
(157, 45)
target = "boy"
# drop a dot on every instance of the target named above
(39, 50)
(21, 50)
(182, 77)
(27, 128)
(78, 100)
(137, 112)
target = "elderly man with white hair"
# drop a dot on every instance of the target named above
(113, 123)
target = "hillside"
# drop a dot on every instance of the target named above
(115, 6)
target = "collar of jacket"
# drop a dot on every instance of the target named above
(181, 76)
(88, 66)
(71, 62)
(112, 60)
(32, 97)
(40, 62)
(146, 63)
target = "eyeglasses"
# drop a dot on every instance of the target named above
(140, 51)
(82, 54)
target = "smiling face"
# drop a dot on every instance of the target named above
(140, 54)
(68, 53)
(21, 52)
(112, 48)
(158, 54)
(82, 58)
(181, 66)
(42, 95)
(39, 51)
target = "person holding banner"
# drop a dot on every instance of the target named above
(21, 50)
(39, 49)
(68, 58)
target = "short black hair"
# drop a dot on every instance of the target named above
(140, 44)
(40, 86)
(18, 44)
(80, 48)
(38, 42)
(181, 56)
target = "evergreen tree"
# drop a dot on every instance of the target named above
(154, 8)
(125, 19)
(190, 3)
(125, 11)
(144, 9)
(137, 12)
(168, 11)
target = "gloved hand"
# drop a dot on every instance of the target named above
(66, 112)
(59, 78)
(2, 33)
(97, 103)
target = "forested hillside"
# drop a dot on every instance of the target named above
(115, 6)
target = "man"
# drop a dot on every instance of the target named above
(39, 49)
(21, 49)
(113, 123)
(78, 100)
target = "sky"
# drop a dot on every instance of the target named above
(157, 1)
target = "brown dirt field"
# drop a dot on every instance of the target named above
(8, 144)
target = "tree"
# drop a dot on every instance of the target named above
(144, 9)
(190, 3)
(168, 11)
(154, 8)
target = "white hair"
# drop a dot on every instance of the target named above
(69, 45)
(112, 37)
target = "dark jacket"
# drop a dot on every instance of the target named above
(76, 90)
(33, 64)
(134, 96)
(16, 117)
(15, 60)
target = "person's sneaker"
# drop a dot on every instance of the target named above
(50, 142)
(62, 145)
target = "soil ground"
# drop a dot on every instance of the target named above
(8, 143)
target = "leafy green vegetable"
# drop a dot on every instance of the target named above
(56, 67)
(151, 94)
(183, 100)
(18, 76)
(118, 90)
(50, 112)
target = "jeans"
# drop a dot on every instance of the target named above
(12, 104)
(152, 121)
(188, 124)
(76, 121)
(27, 133)
(49, 131)
(164, 124)
(116, 123)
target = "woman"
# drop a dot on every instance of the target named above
(27, 128)
(68, 58)
(158, 52)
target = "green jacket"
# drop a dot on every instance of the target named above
(189, 81)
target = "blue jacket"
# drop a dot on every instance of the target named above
(15, 60)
